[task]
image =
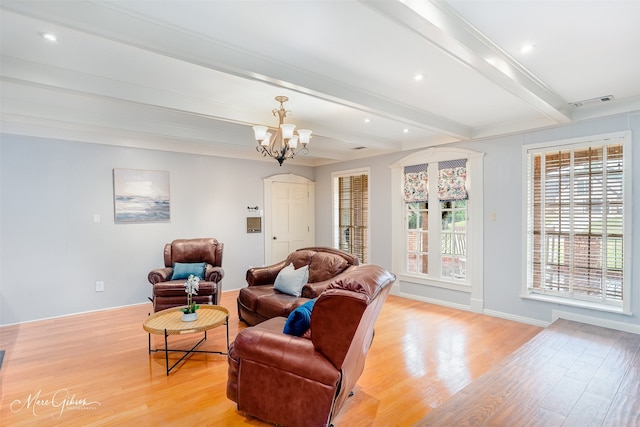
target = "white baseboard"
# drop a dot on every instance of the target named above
(477, 305)
(76, 313)
(435, 301)
(595, 321)
(555, 314)
(520, 319)
(474, 304)
(395, 288)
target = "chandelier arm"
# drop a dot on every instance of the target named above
(298, 151)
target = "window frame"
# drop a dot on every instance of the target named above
(473, 282)
(432, 230)
(335, 223)
(581, 142)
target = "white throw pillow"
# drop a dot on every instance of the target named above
(290, 281)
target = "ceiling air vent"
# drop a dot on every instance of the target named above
(592, 101)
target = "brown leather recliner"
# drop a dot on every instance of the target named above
(303, 381)
(169, 293)
(261, 301)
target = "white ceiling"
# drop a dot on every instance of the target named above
(193, 76)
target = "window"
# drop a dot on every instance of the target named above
(576, 219)
(454, 239)
(437, 231)
(445, 196)
(351, 213)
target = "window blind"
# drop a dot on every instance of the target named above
(353, 206)
(576, 207)
(452, 178)
(416, 183)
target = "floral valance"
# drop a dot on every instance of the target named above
(416, 183)
(452, 177)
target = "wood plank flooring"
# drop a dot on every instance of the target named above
(94, 369)
(571, 374)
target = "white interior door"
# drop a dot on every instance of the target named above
(291, 219)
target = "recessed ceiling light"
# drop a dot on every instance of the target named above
(405, 130)
(49, 36)
(418, 77)
(367, 120)
(527, 47)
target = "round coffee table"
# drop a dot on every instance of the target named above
(169, 322)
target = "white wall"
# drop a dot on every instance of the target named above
(379, 210)
(52, 252)
(503, 238)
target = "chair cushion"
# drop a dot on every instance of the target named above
(290, 281)
(176, 288)
(299, 321)
(182, 270)
(267, 302)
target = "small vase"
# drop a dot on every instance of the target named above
(189, 317)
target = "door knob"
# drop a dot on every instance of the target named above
(275, 238)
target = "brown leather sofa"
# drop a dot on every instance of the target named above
(169, 292)
(304, 381)
(260, 300)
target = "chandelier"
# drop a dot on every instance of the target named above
(284, 144)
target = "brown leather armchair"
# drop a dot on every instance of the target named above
(303, 381)
(169, 292)
(260, 300)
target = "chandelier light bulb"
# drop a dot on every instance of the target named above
(260, 131)
(266, 140)
(287, 130)
(305, 136)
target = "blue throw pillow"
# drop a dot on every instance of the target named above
(182, 270)
(299, 321)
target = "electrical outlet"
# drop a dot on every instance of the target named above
(100, 286)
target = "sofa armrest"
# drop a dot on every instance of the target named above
(313, 290)
(270, 347)
(213, 274)
(160, 275)
(258, 276)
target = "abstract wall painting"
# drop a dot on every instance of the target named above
(141, 196)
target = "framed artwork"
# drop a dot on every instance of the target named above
(141, 196)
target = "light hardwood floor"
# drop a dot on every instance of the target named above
(570, 374)
(94, 369)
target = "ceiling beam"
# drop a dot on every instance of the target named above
(439, 24)
(107, 20)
